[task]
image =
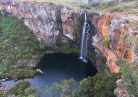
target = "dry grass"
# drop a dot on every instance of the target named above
(122, 8)
(68, 3)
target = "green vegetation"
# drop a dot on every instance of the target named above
(47, 46)
(65, 88)
(17, 46)
(2, 12)
(32, 92)
(78, 27)
(136, 26)
(136, 46)
(130, 77)
(19, 89)
(67, 3)
(127, 21)
(64, 49)
(23, 89)
(113, 6)
(91, 54)
(100, 85)
(106, 43)
(124, 37)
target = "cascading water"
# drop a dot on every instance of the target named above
(85, 37)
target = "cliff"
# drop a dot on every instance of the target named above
(42, 20)
(118, 31)
(113, 35)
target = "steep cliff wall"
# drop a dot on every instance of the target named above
(69, 20)
(114, 35)
(119, 33)
(41, 19)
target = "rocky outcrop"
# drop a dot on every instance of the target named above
(120, 91)
(42, 20)
(117, 30)
(69, 20)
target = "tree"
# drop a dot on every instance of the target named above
(100, 85)
(32, 92)
(130, 77)
(65, 89)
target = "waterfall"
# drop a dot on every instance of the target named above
(84, 40)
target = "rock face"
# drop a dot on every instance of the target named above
(119, 31)
(69, 20)
(42, 20)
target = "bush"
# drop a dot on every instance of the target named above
(100, 85)
(32, 92)
(94, 4)
(78, 27)
(106, 43)
(136, 47)
(51, 3)
(124, 37)
(2, 11)
(19, 89)
(112, 3)
(65, 88)
(121, 8)
(130, 78)
(127, 21)
(17, 44)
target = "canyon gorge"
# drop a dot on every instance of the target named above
(112, 35)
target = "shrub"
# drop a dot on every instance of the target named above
(121, 8)
(32, 92)
(130, 77)
(106, 43)
(2, 11)
(127, 21)
(78, 27)
(112, 3)
(100, 85)
(50, 3)
(17, 44)
(124, 37)
(19, 89)
(136, 47)
(65, 88)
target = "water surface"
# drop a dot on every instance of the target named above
(57, 67)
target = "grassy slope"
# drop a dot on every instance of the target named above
(17, 45)
(122, 8)
(69, 3)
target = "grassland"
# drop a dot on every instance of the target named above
(69, 3)
(124, 8)
(106, 7)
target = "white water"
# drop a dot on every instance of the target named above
(85, 36)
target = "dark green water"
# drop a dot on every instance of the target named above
(57, 67)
